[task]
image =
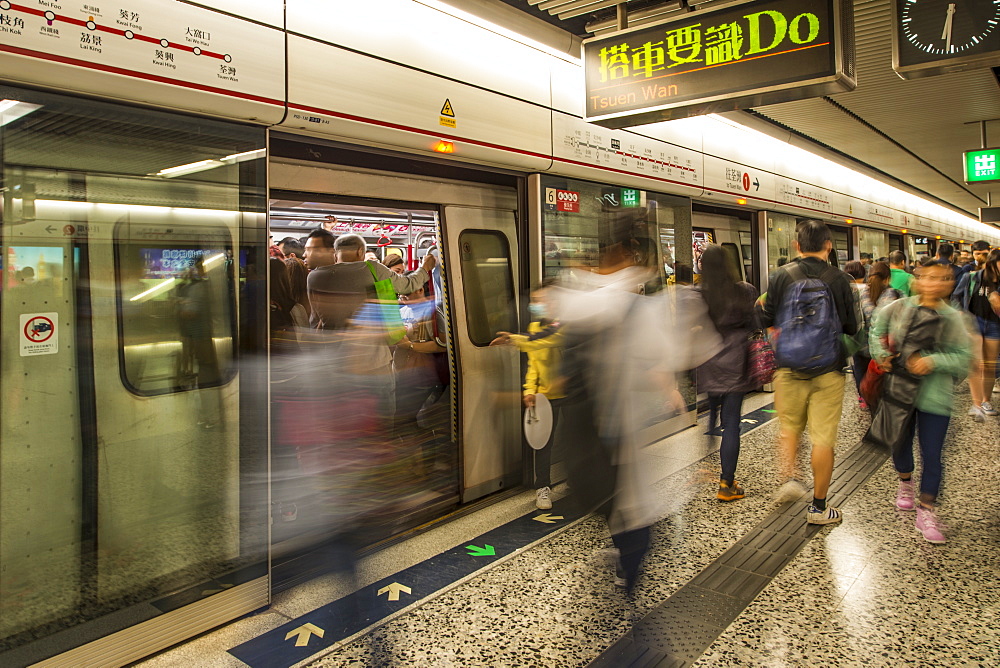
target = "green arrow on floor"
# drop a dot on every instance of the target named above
(485, 551)
(768, 410)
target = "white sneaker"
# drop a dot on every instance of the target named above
(790, 491)
(996, 387)
(542, 500)
(988, 409)
(978, 414)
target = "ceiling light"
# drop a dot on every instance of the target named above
(244, 156)
(11, 110)
(190, 168)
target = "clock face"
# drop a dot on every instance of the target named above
(930, 31)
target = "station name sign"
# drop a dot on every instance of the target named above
(749, 55)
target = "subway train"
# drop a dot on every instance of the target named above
(148, 155)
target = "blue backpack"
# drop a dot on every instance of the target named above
(809, 328)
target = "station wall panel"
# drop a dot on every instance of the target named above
(377, 102)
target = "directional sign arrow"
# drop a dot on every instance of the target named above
(748, 421)
(50, 229)
(485, 551)
(394, 590)
(304, 633)
(756, 183)
(547, 518)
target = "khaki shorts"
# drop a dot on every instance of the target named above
(817, 402)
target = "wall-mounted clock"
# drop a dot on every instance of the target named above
(939, 36)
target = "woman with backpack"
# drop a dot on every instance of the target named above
(923, 344)
(979, 293)
(724, 377)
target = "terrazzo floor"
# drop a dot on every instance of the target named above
(868, 592)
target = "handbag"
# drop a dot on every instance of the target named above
(761, 364)
(871, 384)
(388, 307)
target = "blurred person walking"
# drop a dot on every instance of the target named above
(923, 344)
(618, 375)
(810, 303)
(725, 378)
(859, 357)
(979, 293)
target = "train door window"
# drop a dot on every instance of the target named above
(873, 243)
(489, 285)
(841, 251)
(177, 308)
(730, 231)
(780, 240)
(895, 242)
(579, 220)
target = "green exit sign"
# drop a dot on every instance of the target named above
(630, 197)
(982, 166)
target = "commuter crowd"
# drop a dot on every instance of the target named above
(909, 334)
(597, 362)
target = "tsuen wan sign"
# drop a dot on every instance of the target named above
(753, 54)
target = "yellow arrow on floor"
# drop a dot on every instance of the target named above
(547, 518)
(394, 590)
(304, 633)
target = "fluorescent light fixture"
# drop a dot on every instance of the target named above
(11, 110)
(153, 290)
(244, 156)
(190, 168)
(204, 165)
(498, 29)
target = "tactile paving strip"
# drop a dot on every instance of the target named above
(678, 631)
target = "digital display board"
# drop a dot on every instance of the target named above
(982, 166)
(750, 55)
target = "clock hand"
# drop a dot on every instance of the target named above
(948, 25)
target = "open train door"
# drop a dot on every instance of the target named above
(482, 269)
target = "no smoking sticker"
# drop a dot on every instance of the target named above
(39, 334)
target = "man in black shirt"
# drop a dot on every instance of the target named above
(815, 399)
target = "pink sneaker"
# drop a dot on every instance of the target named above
(904, 497)
(927, 524)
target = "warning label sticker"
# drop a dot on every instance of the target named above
(447, 117)
(39, 334)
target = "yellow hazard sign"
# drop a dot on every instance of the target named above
(447, 109)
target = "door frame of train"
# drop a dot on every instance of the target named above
(492, 469)
(306, 165)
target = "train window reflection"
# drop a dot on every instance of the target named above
(489, 284)
(177, 311)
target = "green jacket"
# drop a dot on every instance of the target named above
(952, 354)
(902, 281)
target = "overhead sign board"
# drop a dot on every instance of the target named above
(989, 214)
(750, 55)
(937, 36)
(982, 166)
